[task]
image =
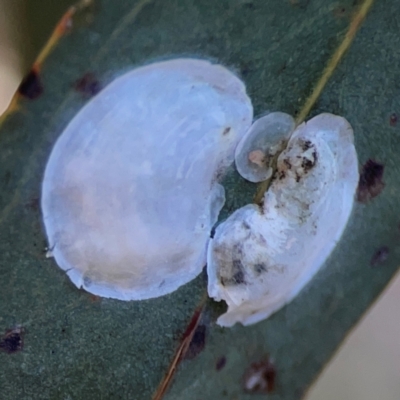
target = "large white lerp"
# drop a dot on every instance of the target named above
(130, 192)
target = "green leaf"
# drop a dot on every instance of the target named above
(78, 346)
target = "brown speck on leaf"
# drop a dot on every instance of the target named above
(282, 68)
(370, 183)
(340, 12)
(12, 341)
(88, 85)
(197, 344)
(393, 119)
(31, 86)
(245, 69)
(260, 377)
(220, 364)
(380, 256)
(249, 5)
(94, 299)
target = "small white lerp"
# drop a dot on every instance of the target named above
(262, 256)
(267, 137)
(130, 191)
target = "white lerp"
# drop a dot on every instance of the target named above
(261, 257)
(255, 153)
(130, 191)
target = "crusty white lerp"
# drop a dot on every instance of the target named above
(262, 256)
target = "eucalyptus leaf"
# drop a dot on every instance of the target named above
(78, 346)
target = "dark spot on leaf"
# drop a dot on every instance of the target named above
(220, 364)
(87, 85)
(282, 68)
(393, 119)
(245, 69)
(249, 5)
(198, 342)
(380, 256)
(370, 183)
(340, 12)
(12, 341)
(194, 321)
(31, 86)
(211, 39)
(260, 377)
(93, 298)
(226, 130)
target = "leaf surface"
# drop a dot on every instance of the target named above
(78, 346)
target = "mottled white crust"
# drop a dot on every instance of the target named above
(261, 257)
(129, 194)
(265, 138)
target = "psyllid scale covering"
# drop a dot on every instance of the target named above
(130, 191)
(262, 256)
